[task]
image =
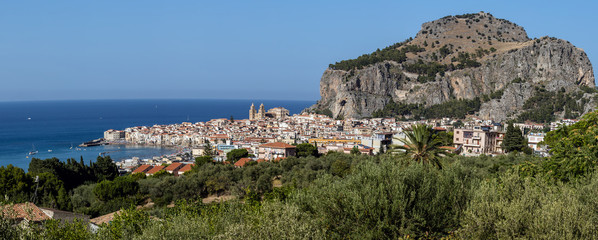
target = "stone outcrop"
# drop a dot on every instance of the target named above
(503, 50)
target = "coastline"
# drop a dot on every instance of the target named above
(58, 125)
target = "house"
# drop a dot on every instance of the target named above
(185, 169)
(29, 212)
(478, 140)
(107, 218)
(154, 170)
(24, 212)
(363, 149)
(174, 167)
(142, 169)
(242, 162)
(270, 151)
(533, 141)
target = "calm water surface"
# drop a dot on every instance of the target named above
(58, 125)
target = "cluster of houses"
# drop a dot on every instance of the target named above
(275, 138)
(175, 169)
(272, 136)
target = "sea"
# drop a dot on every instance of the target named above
(56, 128)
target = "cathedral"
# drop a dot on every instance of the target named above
(261, 114)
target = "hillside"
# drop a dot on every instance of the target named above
(487, 64)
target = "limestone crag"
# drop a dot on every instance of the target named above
(502, 49)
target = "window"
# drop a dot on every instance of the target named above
(467, 134)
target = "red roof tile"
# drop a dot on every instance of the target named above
(277, 145)
(155, 169)
(186, 168)
(143, 169)
(24, 211)
(174, 166)
(242, 162)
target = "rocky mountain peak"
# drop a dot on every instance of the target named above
(481, 27)
(488, 65)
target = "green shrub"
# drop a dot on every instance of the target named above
(514, 207)
(387, 200)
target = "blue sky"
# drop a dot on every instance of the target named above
(227, 49)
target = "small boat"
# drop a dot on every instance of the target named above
(49, 150)
(33, 152)
(28, 118)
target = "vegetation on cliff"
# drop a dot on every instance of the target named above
(390, 53)
(543, 104)
(464, 57)
(453, 109)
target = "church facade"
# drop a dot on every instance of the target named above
(261, 114)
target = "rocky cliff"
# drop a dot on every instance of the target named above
(467, 56)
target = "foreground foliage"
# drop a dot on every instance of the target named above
(422, 145)
(342, 196)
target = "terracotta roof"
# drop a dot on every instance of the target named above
(24, 211)
(143, 169)
(104, 218)
(277, 145)
(174, 166)
(155, 169)
(186, 168)
(242, 162)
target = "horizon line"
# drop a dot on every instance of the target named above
(121, 99)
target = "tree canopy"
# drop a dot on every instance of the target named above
(514, 140)
(306, 149)
(422, 145)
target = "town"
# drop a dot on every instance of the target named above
(272, 135)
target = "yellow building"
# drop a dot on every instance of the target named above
(320, 141)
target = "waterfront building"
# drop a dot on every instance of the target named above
(114, 135)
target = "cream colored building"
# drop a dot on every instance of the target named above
(272, 151)
(114, 135)
(252, 112)
(278, 113)
(479, 140)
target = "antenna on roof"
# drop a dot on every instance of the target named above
(34, 197)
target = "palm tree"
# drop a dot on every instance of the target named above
(422, 145)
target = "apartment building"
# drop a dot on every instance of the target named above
(478, 140)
